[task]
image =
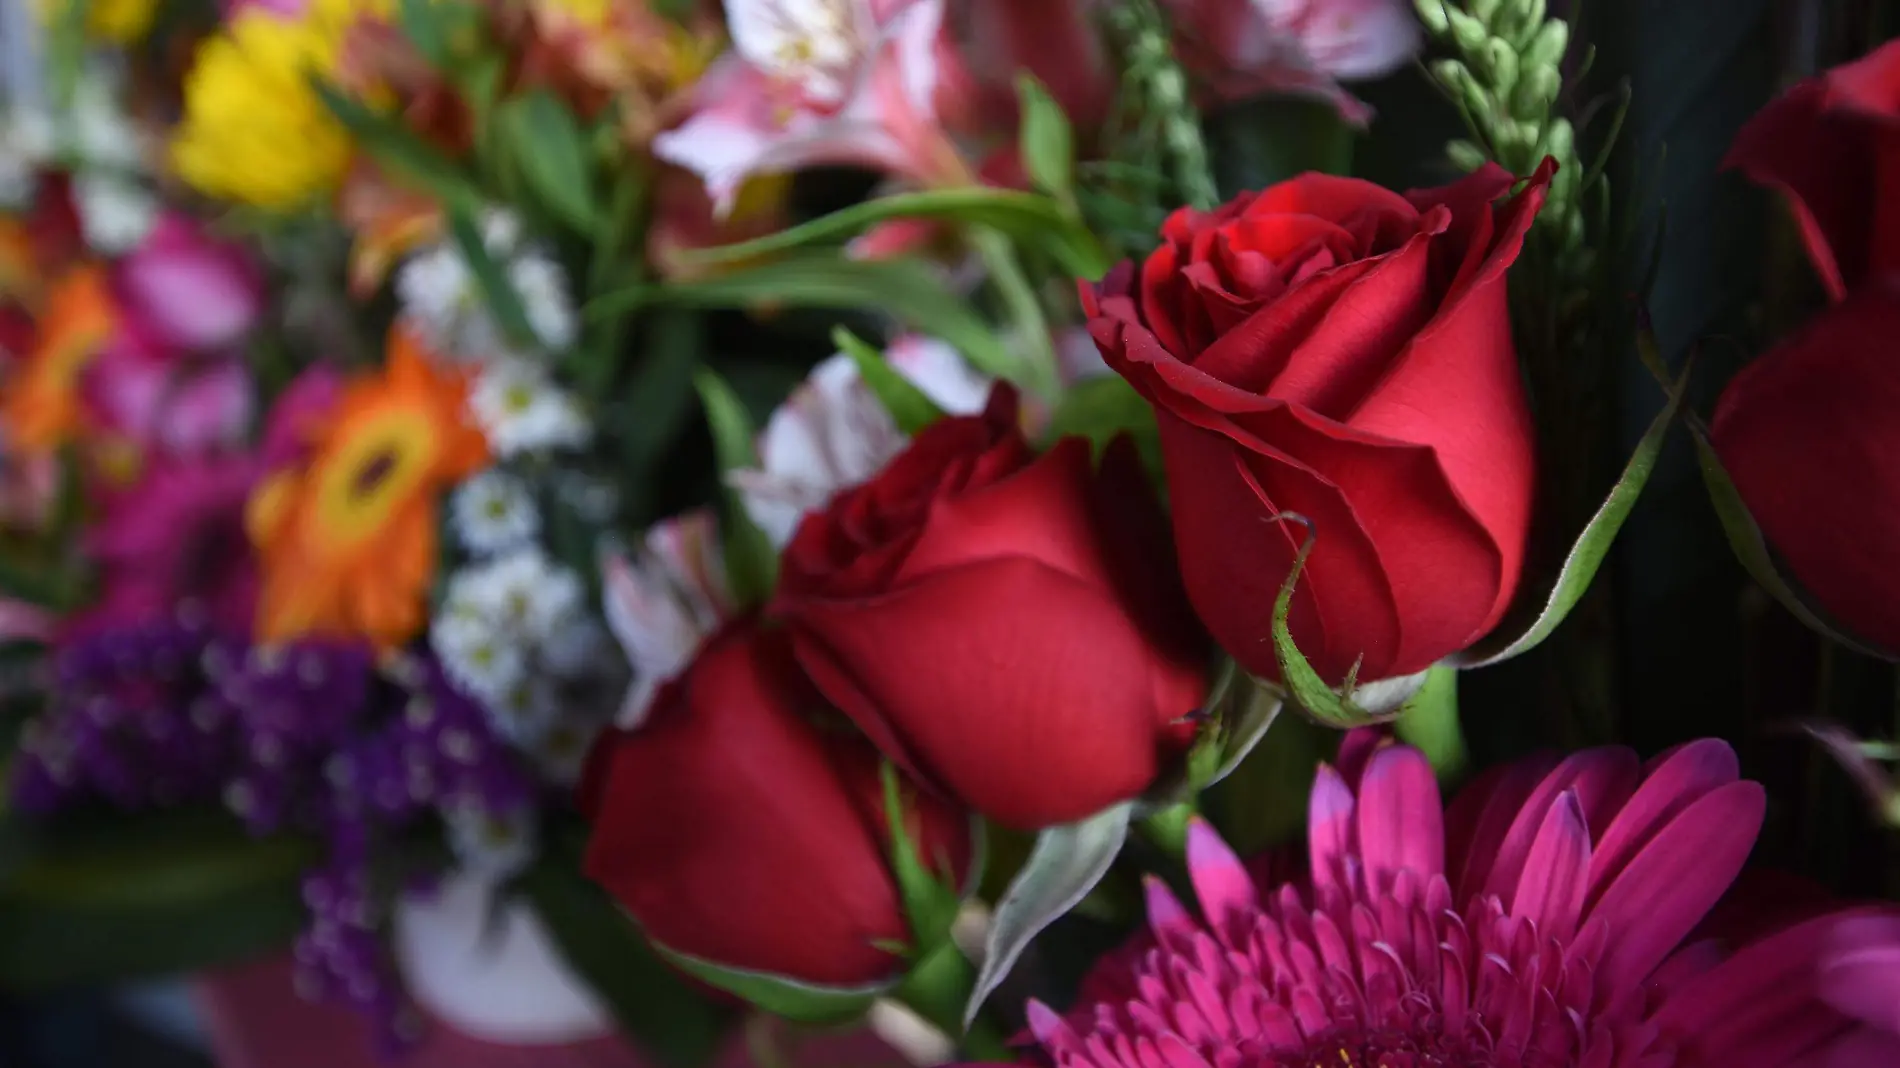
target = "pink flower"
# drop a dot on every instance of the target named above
(1245, 48)
(995, 40)
(184, 290)
(1547, 918)
(166, 400)
(818, 82)
(176, 537)
(664, 603)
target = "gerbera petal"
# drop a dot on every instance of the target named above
(1666, 889)
(1221, 883)
(1678, 780)
(1401, 821)
(1602, 779)
(1550, 891)
(1329, 827)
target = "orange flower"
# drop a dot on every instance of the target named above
(40, 406)
(347, 541)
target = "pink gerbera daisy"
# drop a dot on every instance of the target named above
(1548, 919)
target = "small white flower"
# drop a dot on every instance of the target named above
(99, 131)
(833, 433)
(543, 291)
(115, 213)
(526, 710)
(559, 753)
(575, 647)
(522, 591)
(483, 658)
(443, 300)
(521, 410)
(494, 512)
(493, 844)
(663, 604)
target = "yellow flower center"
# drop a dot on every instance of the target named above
(360, 486)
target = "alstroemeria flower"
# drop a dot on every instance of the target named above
(152, 398)
(816, 82)
(1246, 48)
(663, 604)
(833, 433)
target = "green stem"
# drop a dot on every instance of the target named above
(938, 989)
(1040, 374)
(1168, 828)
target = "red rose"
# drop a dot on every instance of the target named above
(1807, 432)
(1006, 627)
(736, 831)
(1832, 145)
(1330, 348)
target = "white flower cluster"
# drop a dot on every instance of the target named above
(95, 140)
(515, 399)
(514, 628)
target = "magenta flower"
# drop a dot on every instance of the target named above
(1549, 919)
(166, 400)
(176, 537)
(185, 291)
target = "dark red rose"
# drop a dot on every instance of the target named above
(1330, 348)
(1007, 627)
(1808, 435)
(737, 831)
(1832, 146)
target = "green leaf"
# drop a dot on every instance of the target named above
(1533, 619)
(504, 303)
(108, 897)
(750, 562)
(910, 407)
(1429, 723)
(908, 290)
(607, 950)
(423, 25)
(1027, 217)
(1247, 709)
(930, 902)
(804, 1002)
(552, 152)
(405, 156)
(1047, 142)
(658, 397)
(1758, 559)
(1351, 705)
(1065, 865)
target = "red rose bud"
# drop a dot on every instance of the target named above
(1006, 627)
(1832, 146)
(1808, 435)
(739, 833)
(1329, 348)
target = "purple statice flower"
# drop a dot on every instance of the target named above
(131, 720)
(298, 706)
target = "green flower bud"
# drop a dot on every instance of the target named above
(1499, 62)
(1432, 14)
(1560, 140)
(1484, 10)
(1537, 89)
(1469, 33)
(1451, 74)
(1548, 45)
(1465, 155)
(1515, 141)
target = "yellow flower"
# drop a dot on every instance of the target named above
(254, 130)
(120, 21)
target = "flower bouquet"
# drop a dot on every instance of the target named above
(1064, 532)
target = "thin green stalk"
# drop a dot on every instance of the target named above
(1041, 375)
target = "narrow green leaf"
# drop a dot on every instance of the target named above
(605, 948)
(552, 152)
(910, 407)
(1351, 705)
(1429, 723)
(1249, 709)
(1065, 865)
(1028, 217)
(1047, 141)
(750, 562)
(804, 1002)
(930, 902)
(504, 303)
(658, 398)
(401, 153)
(422, 24)
(908, 290)
(1533, 620)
